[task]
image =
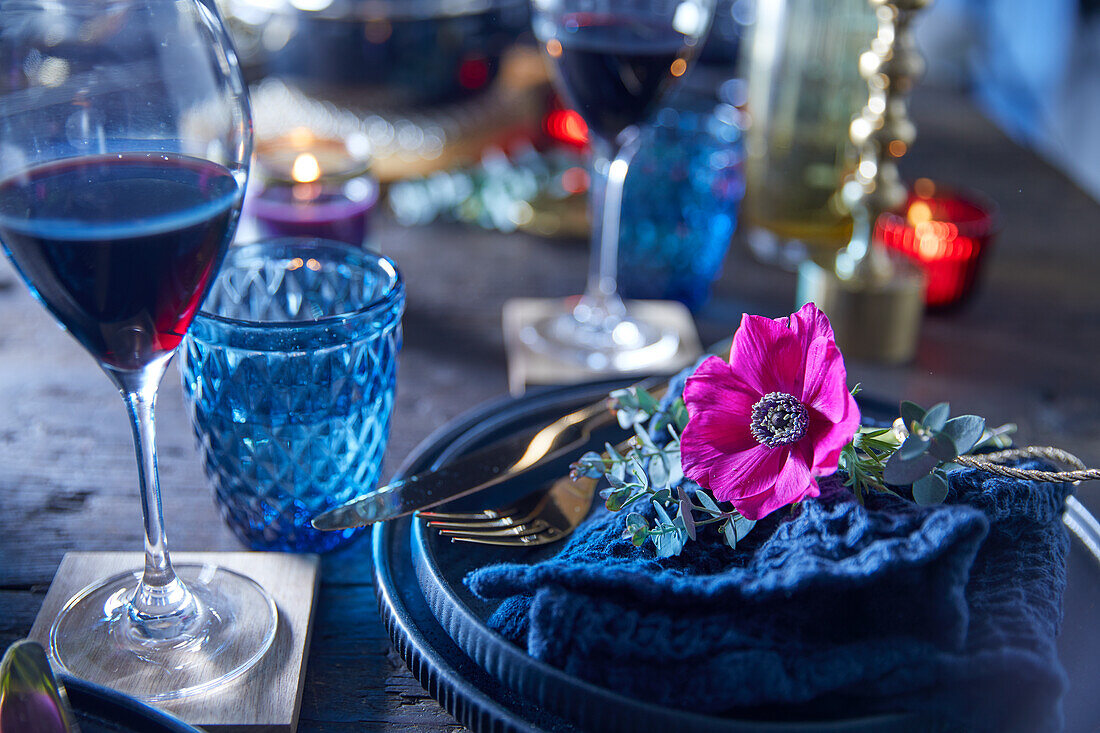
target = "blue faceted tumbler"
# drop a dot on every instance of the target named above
(290, 369)
(680, 204)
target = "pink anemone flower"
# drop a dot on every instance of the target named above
(775, 417)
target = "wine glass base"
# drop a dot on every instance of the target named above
(615, 345)
(94, 639)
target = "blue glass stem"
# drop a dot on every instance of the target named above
(162, 607)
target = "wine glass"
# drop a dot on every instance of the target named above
(125, 137)
(613, 61)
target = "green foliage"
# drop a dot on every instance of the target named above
(864, 459)
(633, 406)
(916, 451)
(931, 489)
(650, 470)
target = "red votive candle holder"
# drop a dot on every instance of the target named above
(312, 187)
(947, 232)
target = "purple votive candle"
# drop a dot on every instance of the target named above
(312, 187)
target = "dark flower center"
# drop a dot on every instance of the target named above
(778, 419)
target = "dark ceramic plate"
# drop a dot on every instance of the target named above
(490, 684)
(100, 710)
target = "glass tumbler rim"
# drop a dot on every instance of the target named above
(390, 300)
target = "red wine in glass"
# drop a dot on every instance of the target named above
(121, 173)
(614, 69)
(121, 248)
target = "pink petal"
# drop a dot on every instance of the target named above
(720, 410)
(793, 483)
(734, 475)
(810, 323)
(715, 386)
(705, 442)
(826, 462)
(767, 355)
(828, 438)
(719, 407)
(826, 386)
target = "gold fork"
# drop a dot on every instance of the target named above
(539, 519)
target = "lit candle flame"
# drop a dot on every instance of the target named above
(919, 213)
(306, 169)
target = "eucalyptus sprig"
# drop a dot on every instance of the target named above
(649, 470)
(917, 450)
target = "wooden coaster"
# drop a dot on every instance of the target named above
(528, 366)
(266, 698)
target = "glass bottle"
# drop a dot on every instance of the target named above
(804, 88)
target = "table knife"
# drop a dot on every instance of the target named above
(502, 461)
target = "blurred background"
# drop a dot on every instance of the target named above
(1033, 67)
(447, 113)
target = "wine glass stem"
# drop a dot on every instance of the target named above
(601, 303)
(162, 605)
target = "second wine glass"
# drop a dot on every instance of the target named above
(613, 61)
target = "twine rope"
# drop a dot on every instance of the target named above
(991, 462)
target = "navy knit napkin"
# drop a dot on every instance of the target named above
(952, 609)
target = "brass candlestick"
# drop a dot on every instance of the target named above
(875, 300)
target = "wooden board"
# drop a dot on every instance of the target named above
(268, 697)
(528, 366)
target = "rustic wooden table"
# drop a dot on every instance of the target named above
(1026, 349)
